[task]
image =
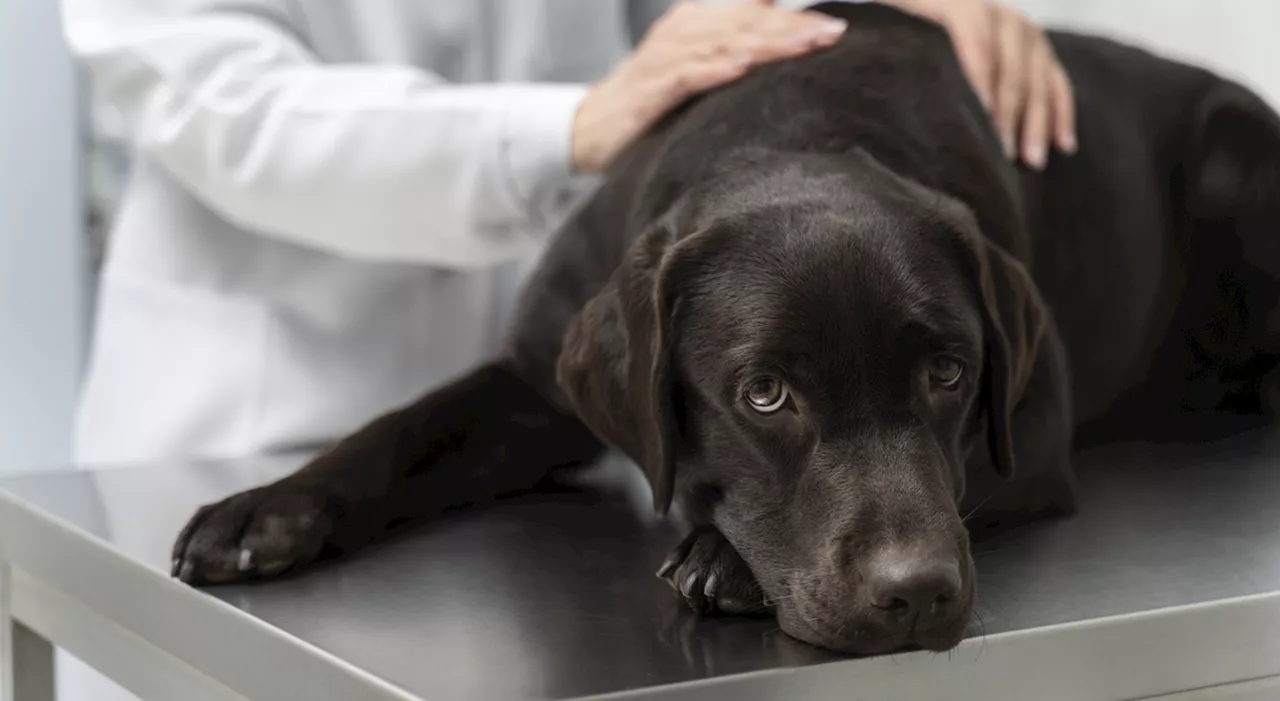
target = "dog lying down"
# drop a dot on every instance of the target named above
(827, 317)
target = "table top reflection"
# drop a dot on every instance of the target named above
(554, 596)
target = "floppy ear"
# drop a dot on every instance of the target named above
(615, 365)
(1014, 323)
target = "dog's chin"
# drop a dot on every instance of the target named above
(942, 639)
(865, 639)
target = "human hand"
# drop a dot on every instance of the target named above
(691, 49)
(1014, 70)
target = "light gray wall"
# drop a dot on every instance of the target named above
(1234, 37)
(42, 251)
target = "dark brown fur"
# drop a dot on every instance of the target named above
(839, 220)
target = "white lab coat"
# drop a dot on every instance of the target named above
(329, 210)
(329, 206)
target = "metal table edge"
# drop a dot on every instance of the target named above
(201, 606)
(1000, 664)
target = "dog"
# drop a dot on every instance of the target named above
(845, 335)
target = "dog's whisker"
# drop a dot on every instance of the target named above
(770, 633)
(982, 626)
(982, 503)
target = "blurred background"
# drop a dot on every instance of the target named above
(62, 165)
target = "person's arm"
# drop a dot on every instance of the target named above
(367, 161)
(389, 162)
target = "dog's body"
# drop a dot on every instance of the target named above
(822, 225)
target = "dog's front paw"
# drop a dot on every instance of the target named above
(259, 533)
(711, 576)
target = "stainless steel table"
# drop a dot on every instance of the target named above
(1168, 582)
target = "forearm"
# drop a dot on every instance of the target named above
(370, 161)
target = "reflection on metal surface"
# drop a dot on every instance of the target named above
(553, 596)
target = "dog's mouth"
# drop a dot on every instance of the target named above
(866, 638)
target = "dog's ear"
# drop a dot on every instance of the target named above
(1015, 320)
(616, 363)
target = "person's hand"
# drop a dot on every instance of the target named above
(691, 49)
(1014, 70)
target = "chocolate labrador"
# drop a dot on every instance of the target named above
(832, 322)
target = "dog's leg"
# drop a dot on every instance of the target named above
(711, 576)
(483, 436)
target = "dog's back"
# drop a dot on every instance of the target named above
(1146, 243)
(1107, 233)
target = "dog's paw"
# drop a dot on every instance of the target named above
(711, 576)
(259, 533)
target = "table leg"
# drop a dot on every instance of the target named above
(32, 665)
(26, 659)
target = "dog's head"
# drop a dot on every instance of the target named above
(806, 353)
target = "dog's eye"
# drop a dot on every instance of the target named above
(767, 394)
(946, 371)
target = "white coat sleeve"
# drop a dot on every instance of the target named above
(372, 161)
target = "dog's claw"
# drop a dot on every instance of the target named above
(667, 566)
(710, 576)
(690, 583)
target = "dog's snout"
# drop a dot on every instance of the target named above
(887, 597)
(908, 584)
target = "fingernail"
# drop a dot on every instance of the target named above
(832, 27)
(1069, 144)
(1035, 156)
(1009, 150)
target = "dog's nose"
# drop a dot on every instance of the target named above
(906, 584)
